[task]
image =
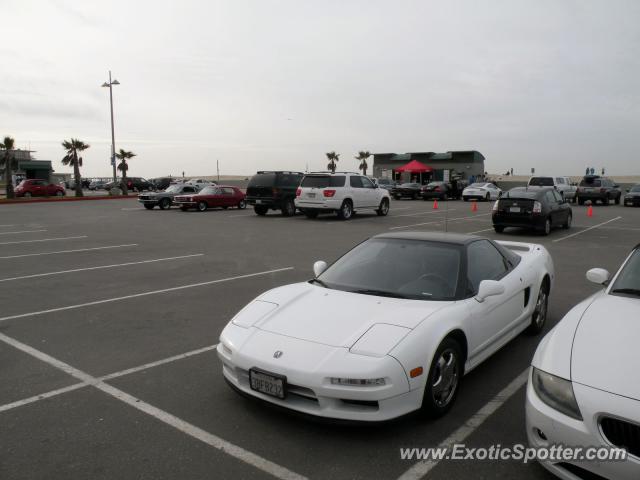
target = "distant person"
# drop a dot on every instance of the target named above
(472, 179)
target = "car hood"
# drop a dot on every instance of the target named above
(605, 353)
(334, 317)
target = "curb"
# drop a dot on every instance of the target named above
(14, 201)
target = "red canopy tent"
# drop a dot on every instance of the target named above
(414, 166)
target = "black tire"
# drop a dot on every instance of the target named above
(311, 214)
(414, 196)
(487, 197)
(617, 201)
(465, 199)
(288, 208)
(605, 201)
(60, 193)
(539, 317)
(498, 228)
(202, 206)
(397, 197)
(148, 206)
(28, 194)
(165, 203)
(567, 223)
(546, 230)
(242, 204)
(260, 210)
(443, 380)
(383, 209)
(346, 210)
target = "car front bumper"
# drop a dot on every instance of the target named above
(308, 367)
(632, 201)
(560, 429)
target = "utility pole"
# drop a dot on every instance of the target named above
(218, 169)
(113, 135)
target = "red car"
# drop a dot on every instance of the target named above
(212, 196)
(38, 188)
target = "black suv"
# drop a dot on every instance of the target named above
(273, 191)
(595, 187)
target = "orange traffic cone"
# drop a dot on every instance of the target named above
(435, 204)
(474, 206)
(590, 211)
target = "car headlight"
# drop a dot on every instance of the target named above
(556, 392)
(358, 382)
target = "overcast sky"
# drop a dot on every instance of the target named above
(276, 84)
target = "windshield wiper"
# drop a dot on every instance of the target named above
(319, 282)
(380, 293)
(628, 291)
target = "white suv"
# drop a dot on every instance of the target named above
(340, 192)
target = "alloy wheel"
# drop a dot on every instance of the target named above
(445, 378)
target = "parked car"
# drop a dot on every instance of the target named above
(439, 190)
(273, 191)
(342, 192)
(385, 183)
(597, 188)
(200, 182)
(165, 198)
(539, 209)
(406, 190)
(38, 188)
(221, 196)
(161, 183)
(583, 386)
(632, 198)
(97, 184)
(133, 183)
(391, 327)
(481, 191)
(561, 184)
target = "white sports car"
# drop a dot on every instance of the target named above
(481, 191)
(584, 385)
(390, 327)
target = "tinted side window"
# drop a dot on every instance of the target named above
(355, 182)
(548, 195)
(227, 191)
(338, 180)
(189, 190)
(366, 183)
(560, 181)
(484, 262)
(288, 180)
(557, 196)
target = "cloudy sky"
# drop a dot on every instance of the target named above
(261, 84)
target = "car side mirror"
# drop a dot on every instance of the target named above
(598, 275)
(489, 288)
(319, 267)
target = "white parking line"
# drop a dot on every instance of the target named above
(420, 469)
(441, 221)
(143, 294)
(424, 213)
(133, 208)
(60, 272)
(21, 231)
(42, 396)
(586, 230)
(478, 231)
(242, 215)
(165, 417)
(69, 251)
(43, 240)
(12, 225)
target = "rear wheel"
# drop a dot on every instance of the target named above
(617, 201)
(487, 197)
(539, 317)
(148, 206)
(346, 210)
(27, 194)
(260, 210)
(242, 204)
(397, 197)
(165, 203)
(567, 223)
(288, 208)
(580, 201)
(444, 378)
(498, 228)
(60, 193)
(202, 206)
(546, 230)
(384, 208)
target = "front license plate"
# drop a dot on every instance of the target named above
(311, 195)
(267, 383)
(258, 202)
(514, 209)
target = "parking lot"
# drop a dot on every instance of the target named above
(110, 314)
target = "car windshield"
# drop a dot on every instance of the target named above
(628, 281)
(478, 185)
(402, 268)
(541, 182)
(209, 191)
(635, 189)
(174, 189)
(323, 181)
(263, 180)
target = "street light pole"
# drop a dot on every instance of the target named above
(113, 135)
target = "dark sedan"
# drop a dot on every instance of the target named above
(164, 199)
(632, 198)
(439, 190)
(539, 210)
(406, 190)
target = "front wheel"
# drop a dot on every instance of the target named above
(346, 210)
(498, 228)
(617, 201)
(242, 205)
(539, 317)
(383, 210)
(202, 206)
(60, 193)
(27, 194)
(311, 214)
(546, 230)
(260, 210)
(165, 203)
(487, 197)
(444, 379)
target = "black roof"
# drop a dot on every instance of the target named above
(525, 192)
(444, 237)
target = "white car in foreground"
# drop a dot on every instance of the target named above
(584, 385)
(481, 191)
(390, 327)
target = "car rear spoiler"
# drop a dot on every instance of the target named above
(519, 246)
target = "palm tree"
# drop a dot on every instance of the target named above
(123, 166)
(362, 158)
(9, 162)
(333, 157)
(73, 148)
